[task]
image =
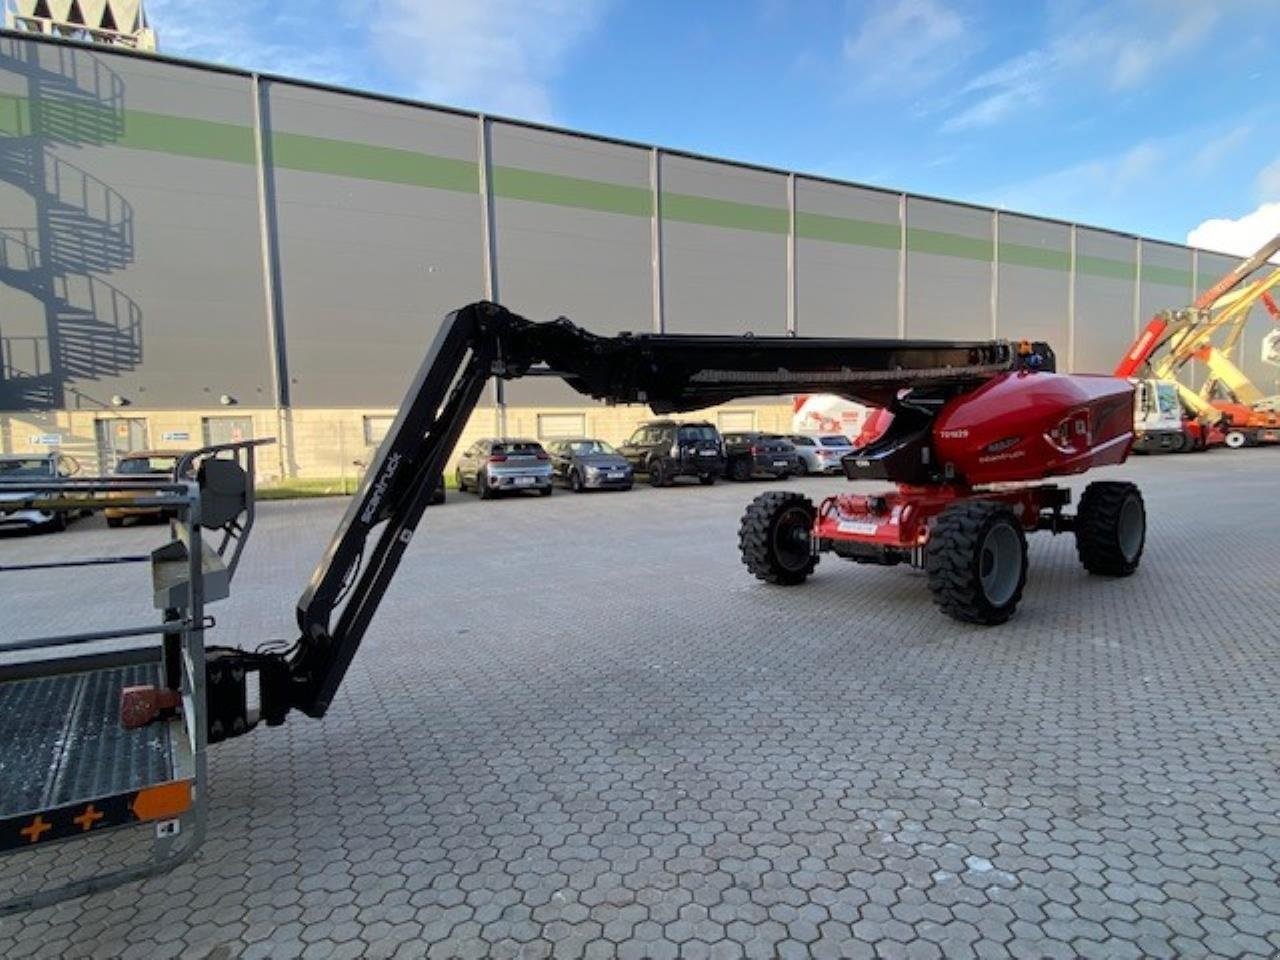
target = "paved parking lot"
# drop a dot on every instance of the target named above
(578, 728)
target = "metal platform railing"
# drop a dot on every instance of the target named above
(71, 769)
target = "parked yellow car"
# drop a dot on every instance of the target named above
(142, 463)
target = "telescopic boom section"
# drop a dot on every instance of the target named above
(670, 373)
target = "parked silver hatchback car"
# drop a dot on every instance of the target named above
(497, 465)
(820, 453)
(587, 464)
(42, 467)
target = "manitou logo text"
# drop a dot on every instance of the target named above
(379, 492)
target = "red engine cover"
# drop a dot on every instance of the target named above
(1027, 426)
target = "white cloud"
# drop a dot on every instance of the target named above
(1059, 192)
(902, 46)
(258, 35)
(1269, 180)
(1118, 45)
(499, 56)
(1220, 147)
(1125, 42)
(1241, 236)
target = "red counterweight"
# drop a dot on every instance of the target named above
(1027, 426)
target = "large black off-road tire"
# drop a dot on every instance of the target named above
(658, 474)
(976, 562)
(1111, 528)
(776, 538)
(740, 469)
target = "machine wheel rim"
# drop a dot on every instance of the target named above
(1000, 564)
(791, 535)
(1234, 440)
(1131, 529)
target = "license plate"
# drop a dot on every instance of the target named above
(706, 453)
(616, 474)
(779, 463)
(523, 481)
(856, 526)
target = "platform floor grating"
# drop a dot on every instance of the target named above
(61, 740)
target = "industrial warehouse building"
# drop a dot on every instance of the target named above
(195, 254)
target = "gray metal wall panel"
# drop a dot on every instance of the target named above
(724, 279)
(1034, 291)
(948, 295)
(1104, 304)
(1158, 290)
(147, 265)
(590, 265)
(845, 288)
(369, 268)
(1212, 267)
(723, 181)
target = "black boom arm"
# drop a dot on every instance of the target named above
(670, 373)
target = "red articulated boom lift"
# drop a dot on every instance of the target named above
(976, 426)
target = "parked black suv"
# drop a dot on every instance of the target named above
(752, 453)
(666, 449)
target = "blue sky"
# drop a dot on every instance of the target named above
(1150, 116)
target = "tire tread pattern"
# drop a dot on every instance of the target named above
(755, 538)
(1097, 523)
(951, 564)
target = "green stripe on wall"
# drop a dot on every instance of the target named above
(724, 213)
(857, 233)
(13, 115)
(362, 161)
(1102, 267)
(1020, 255)
(948, 244)
(189, 138)
(514, 183)
(1172, 276)
(75, 121)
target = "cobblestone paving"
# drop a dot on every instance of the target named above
(578, 728)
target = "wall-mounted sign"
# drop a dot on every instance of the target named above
(175, 435)
(45, 439)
